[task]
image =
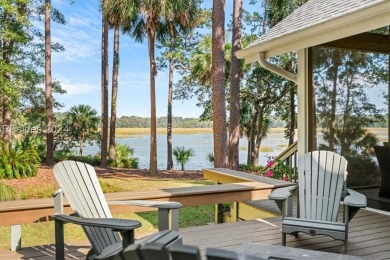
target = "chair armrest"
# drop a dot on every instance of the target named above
(125, 227)
(282, 193)
(56, 192)
(168, 211)
(355, 199)
(147, 203)
(58, 201)
(119, 225)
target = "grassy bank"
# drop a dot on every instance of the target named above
(141, 131)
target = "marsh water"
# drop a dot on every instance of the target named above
(202, 144)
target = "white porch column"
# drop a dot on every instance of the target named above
(303, 102)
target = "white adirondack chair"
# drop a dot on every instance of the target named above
(80, 185)
(322, 186)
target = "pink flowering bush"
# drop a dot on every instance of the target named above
(278, 170)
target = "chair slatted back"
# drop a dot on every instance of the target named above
(322, 179)
(81, 187)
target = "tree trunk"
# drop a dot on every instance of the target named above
(234, 126)
(264, 25)
(5, 102)
(332, 123)
(104, 117)
(82, 142)
(170, 99)
(259, 137)
(344, 145)
(48, 88)
(6, 127)
(218, 84)
(292, 117)
(115, 72)
(169, 117)
(251, 141)
(153, 137)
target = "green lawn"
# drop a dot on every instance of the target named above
(43, 233)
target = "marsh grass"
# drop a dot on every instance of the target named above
(266, 149)
(123, 132)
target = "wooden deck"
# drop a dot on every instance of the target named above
(369, 237)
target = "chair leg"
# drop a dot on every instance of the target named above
(283, 239)
(59, 239)
(346, 243)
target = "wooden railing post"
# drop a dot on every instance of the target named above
(16, 237)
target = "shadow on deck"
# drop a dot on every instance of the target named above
(369, 235)
(72, 251)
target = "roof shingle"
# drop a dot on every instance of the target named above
(312, 13)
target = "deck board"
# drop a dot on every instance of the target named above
(369, 237)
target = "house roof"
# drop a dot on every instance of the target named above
(317, 22)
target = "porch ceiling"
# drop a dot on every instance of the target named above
(318, 22)
(369, 42)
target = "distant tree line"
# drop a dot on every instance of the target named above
(179, 122)
(144, 122)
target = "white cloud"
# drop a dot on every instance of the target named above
(78, 88)
(80, 36)
(133, 80)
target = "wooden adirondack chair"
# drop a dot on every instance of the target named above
(80, 185)
(321, 187)
(156, 248)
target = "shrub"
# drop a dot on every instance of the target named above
(92, 160)
(278, 170)
(362, 171)
(210, 158)
(182, 155)
(123, 157)
(35, 142)
(16, 162)
(7, 192)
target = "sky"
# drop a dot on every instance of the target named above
(78, 68)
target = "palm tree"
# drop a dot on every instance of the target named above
(104, 94)
(218, 83)
(84, 122)
(148, 17)
(152, 13)
(114, 19)
(234, 124)
(182, 21)
(183, 155)
(48, 88)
